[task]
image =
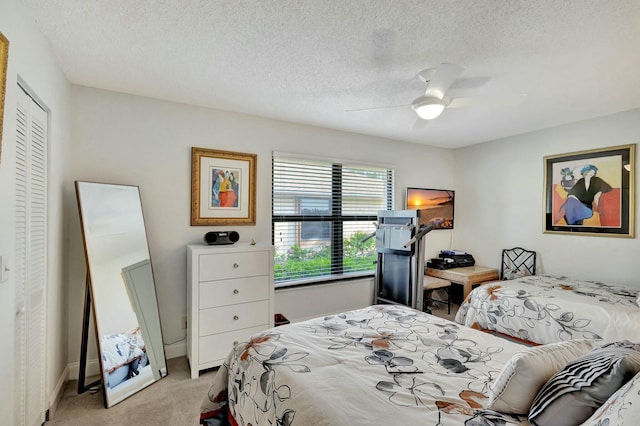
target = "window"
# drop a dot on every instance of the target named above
(322, 213)
(311, 231)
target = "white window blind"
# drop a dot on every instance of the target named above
(323, 211)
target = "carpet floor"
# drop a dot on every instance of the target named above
(175, 400)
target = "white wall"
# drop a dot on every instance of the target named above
(303, 303)
(30, 58)
(126, 139)
(499, 201)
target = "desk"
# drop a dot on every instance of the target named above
(466, 276)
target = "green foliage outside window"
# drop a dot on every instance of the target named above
(299, 263)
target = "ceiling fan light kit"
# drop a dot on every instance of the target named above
(428, 107)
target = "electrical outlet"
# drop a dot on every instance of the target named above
(184, 322)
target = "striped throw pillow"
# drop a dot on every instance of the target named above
(573, 394)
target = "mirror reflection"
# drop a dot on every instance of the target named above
(122, 289)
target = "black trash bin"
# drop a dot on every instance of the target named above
(279, 319)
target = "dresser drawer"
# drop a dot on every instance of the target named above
(230, 292)
(217, 346)
(233, 317)
(223, 266)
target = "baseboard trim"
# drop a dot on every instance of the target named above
(56, 395)
(93, 369)
(175, 350)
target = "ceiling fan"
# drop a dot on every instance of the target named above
(438, 80)
(434, 101)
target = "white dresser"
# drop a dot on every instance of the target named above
(229, 298)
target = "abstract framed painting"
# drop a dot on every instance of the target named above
(223, 187)
(591, 192)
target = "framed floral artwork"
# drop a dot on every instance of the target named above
(223, 187)
(591, 192)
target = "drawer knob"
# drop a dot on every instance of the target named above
(235, 265)
(236, 291)
(235, 317)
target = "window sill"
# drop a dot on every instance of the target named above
(324, 280)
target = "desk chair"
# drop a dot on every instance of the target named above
(432, 283)
(517, 262)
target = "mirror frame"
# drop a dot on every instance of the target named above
(146, 323)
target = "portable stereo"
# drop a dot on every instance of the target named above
(221, 237)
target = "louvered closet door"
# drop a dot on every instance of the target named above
(30, 261)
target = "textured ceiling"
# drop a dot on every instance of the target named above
(312, 61)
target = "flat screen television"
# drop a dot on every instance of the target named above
(435, 205)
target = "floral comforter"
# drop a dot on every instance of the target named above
(121, 348)
(547, 308)
(385, 364)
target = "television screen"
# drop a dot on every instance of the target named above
(435, 205)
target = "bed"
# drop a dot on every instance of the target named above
(549, 308)
(385, 364)
(123, 356)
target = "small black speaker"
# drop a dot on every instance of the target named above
(221, 237)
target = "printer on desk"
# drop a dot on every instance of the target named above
(448, 259)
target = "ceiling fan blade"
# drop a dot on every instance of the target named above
(487, 101)
(419, 124)
(442, 79)
(378, 108)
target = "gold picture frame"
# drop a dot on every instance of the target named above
(223, 187)
(591, 192)
(4, 56)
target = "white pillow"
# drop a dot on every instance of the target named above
(512, 274)
(623, 407)
(528, 370)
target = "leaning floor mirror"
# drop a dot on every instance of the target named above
(121, 289)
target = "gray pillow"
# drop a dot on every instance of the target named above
(573, 394)
(623, 407)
